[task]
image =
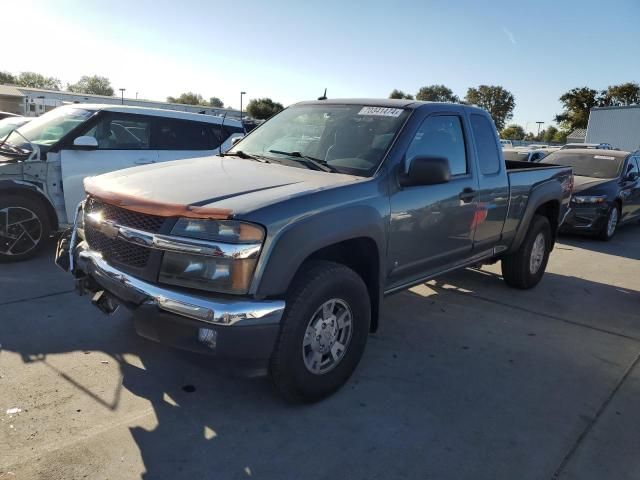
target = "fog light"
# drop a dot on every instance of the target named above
(208, 337)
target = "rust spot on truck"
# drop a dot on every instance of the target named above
(151, 207)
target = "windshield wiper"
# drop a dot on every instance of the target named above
(316, 162)
(246, 156)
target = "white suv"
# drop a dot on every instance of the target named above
(43, 163)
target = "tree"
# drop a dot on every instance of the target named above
(577, 103)
(561, 136)
(513, 132)
(6, 77)
(216, 102)
(400, 94)
(93, 85)
(36, 80)
(548, 134)
(494, 99)
(620, 95)
(263, 108)
(188, 98)
(436, 93)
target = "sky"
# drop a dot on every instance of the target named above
(292, 50)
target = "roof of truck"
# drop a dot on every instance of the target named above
(385, 102)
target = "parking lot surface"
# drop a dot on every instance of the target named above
(466, 378)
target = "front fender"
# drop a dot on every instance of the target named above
(285, 252)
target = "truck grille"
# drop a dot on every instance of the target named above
(117, 250)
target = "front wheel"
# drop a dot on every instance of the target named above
(524, 268)
(323, 334)
(24, 228)
(609, 228)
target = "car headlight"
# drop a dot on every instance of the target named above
(589, 199)
(229, 272)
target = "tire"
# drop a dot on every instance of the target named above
(302, 335)
(606, 233)
(24, 228)
(519, 269)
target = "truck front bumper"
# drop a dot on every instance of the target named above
(223, 326)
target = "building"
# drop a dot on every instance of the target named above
(577, 136)
(619, 126)
(32, 102)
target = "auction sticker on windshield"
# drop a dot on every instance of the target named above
(381, 111)
(603, 157)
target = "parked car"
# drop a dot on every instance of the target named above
(506, 143)
(591, 146)
(523, 155)
(9, 124)
(43, 163)
(606, 191)
(282, 257)
(7, 115)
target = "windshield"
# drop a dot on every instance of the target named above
(49, 128)
(587, 164)
(350, 139)
(9, 124)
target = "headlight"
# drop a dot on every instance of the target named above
(229, 272)
(589, 199)
(227, 231)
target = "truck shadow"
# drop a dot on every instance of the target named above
(453, 386)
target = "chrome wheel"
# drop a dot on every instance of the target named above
(20, 231)
(537, 253)
(612, 222)
(327, 336)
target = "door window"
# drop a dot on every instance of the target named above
(175, 134)
(488, 156)
(441, 136)
(115, 131)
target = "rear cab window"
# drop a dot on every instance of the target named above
(486, 146)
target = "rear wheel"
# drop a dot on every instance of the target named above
(24, 228)
(323, 334)
(609, 228)
(524, 268)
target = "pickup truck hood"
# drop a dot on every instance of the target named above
(580, 184)
(208, 187)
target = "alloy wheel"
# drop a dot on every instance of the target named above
(20, 231)
(612, 222)
(537, 254)
(327, 336)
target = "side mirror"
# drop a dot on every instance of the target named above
(426, 171)
(632, 176)
(235, 140)
(85, 143)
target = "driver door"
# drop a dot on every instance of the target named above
(123, 140)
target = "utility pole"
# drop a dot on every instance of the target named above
(539, 125)
(122, 95)
(241, 94)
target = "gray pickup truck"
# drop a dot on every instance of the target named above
(281, 250)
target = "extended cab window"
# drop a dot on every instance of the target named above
(176, 134)
(441, 136)
(488, 155)
(116, 131)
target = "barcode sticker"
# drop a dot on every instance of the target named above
(381, 111)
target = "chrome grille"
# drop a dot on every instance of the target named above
(117, 250)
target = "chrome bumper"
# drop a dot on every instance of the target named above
(215, 311)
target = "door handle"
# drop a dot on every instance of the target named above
(468, 194)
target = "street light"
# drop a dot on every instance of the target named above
(241, 94)
(539, 125)
(122, 95)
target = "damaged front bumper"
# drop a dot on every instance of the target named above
(224, 326)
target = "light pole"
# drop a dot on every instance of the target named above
(241, 94)
(136, 95)
(539, 125)
(122, 95)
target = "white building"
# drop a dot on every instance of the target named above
(32, 102)
(619, 126)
